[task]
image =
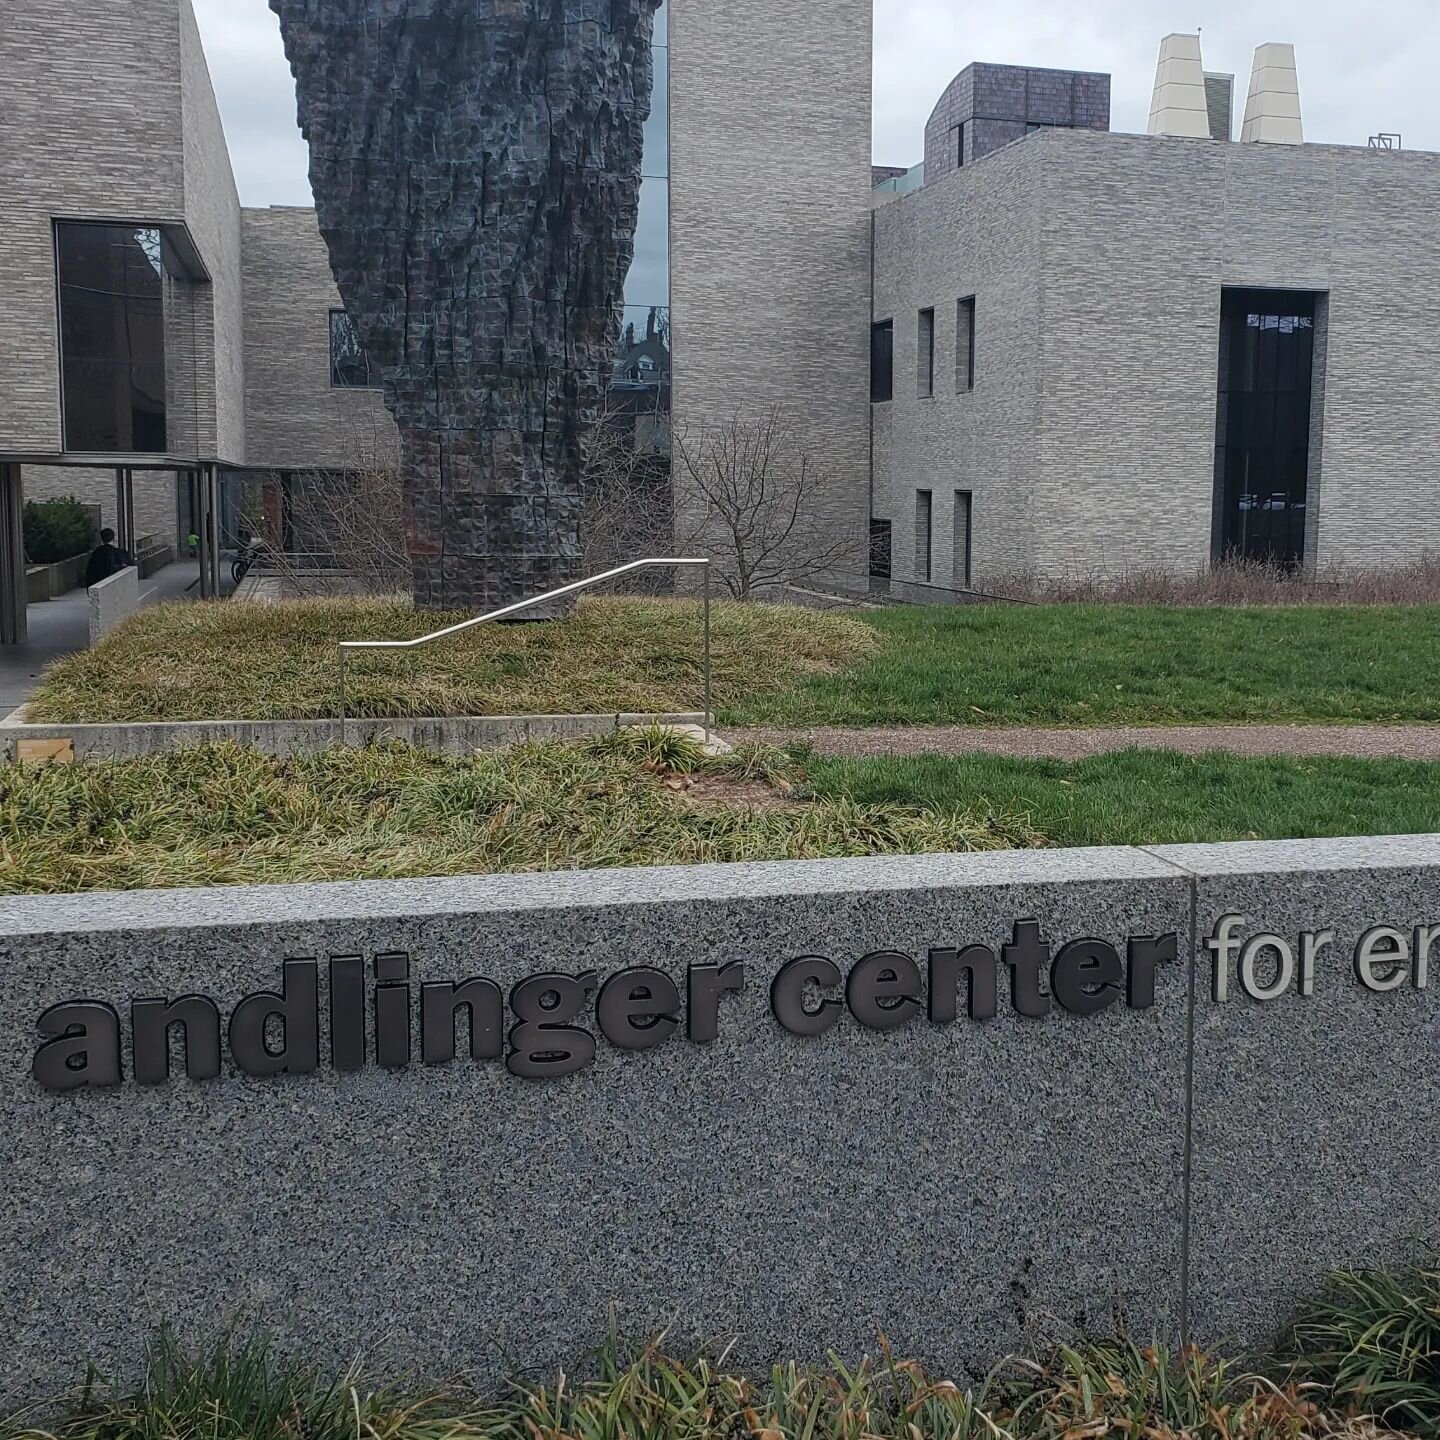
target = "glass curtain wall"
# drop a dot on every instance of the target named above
(642, 361)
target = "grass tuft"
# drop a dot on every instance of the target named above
(1374, 1340)
(1112, 1387)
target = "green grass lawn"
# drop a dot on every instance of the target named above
(1071, 665)
(1087, 665)
(1144, 797)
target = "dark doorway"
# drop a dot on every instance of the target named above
(1262, 426)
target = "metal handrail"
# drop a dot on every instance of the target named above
(522, 605)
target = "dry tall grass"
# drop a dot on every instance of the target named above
(1236, 582)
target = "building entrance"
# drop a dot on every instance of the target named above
(1262, 427)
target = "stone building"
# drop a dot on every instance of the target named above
(1046, 348)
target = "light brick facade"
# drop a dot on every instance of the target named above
(1098, 262)
(294, 418)
(770, 229)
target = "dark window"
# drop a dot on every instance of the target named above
(965, 345)
(922, 535)
(880, 549)
(349, 362)
(961, 562)
(960, 144)
(1262, 431)
(112, 337)
(926, 375)
(882, 360)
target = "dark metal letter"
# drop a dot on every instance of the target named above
(707, 984)
(484, 1008)
(392, 1009)
(544, 1044)
(1146, 952)
(787, 995)
(150, 1022)
(979, 963)
(84, 1050)
(883, 990)
(1086, 976)
(299, 1012)
(347, 1012)
(1027, 956)
(638, 1009)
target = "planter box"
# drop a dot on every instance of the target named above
(48, 582)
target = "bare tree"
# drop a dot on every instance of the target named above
(332, 531)
(752, 496)
(629, 509)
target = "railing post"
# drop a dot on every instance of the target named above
(707, 657)
(341, 650)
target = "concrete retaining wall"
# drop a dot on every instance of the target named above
(113, 600)
(1122, 1127)
(457, 735)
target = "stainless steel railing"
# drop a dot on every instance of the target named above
(520, 606)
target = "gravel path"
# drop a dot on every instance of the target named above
(1365, 742)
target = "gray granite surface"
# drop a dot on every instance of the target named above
(1316, 1139)
(962, 1188)
(955, 1187)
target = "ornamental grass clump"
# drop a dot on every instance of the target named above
(1112, 1387)
(1373, 1338)
(227, 815)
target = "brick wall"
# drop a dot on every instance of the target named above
(976, 234)
(89, 128)
(770, 196)
(293, 418)
(1098, 262)
(212, 211)
(996, 104)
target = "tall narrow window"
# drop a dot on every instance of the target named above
(961, 550)
(882, 360)
(965, 345)
(112, 337)
(880, 549)
(922, 535)
(960, 144)
(349, 360)
(926, 376)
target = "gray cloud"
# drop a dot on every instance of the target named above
(1362, 68)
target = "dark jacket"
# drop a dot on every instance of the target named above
(105, 561)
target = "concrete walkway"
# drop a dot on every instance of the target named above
(1365, 742)
(62, 626)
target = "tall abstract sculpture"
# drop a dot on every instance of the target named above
(476, 168)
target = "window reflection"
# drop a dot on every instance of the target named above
(350, 367)
(112, 337)
(642, 358)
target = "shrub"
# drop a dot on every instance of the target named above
(1374, 1340)
(56, 530)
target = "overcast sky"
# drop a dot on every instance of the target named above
(1364, 66)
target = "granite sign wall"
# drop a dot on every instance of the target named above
(953, 1099)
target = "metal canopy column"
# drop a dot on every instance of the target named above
(202, 530)
(13, 628)
(212, 514)
(125, 508)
